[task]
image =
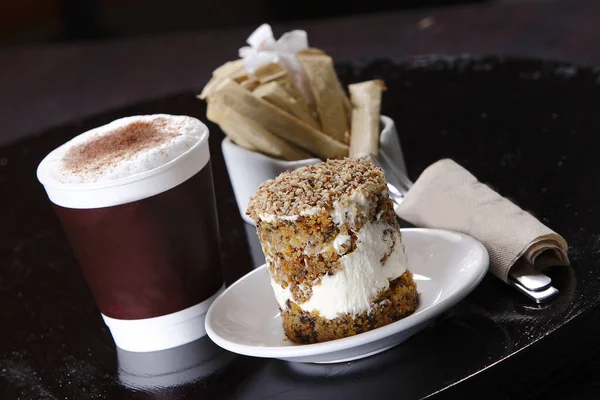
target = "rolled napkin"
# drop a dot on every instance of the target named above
(447, 196)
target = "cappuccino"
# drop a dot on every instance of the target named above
(136, 200)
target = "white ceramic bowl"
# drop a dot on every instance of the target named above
(248, 169)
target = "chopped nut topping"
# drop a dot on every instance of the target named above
(315, 186)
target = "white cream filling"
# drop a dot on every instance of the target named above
(342, 243)
(351, 290)
(270, 218)
(347, 210)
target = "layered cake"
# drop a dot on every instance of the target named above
(334, 250)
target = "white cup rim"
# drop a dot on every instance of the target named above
(48, 183)
(131, 188)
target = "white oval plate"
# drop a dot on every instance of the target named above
(446, 266)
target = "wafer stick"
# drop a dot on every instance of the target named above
(233, 69)
(252, 135)
(230, 69)
(269, 72)
(289, 86)
(276, 95)
(279, 122)
(366, 102)
(329, 96)
(276, 73)
(263, 140)
(215, 113)
(311, 51)
(250, 84)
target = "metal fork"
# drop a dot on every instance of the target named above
(398, 182)
(534, 284)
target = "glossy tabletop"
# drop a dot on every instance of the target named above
(528, 128)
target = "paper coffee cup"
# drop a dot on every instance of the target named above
(136, 200)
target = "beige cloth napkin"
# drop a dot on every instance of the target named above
(447, 196)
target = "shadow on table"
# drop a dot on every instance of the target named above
(162, 371)
(405, 366)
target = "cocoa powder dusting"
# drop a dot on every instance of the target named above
(97, 155)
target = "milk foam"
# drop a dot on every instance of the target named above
(187, 131)
(176, 150)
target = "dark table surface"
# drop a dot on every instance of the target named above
(525, 126)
